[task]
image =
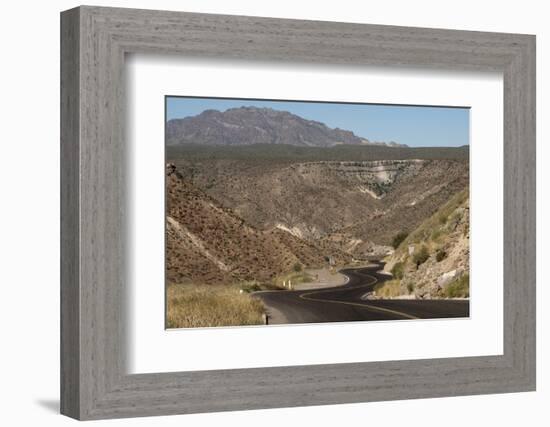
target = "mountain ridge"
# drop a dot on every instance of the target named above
(253, 125)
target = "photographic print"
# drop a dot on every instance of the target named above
(289, 212)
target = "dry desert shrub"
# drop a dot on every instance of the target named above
(388, 289)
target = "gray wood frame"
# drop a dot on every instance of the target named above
(94, 41)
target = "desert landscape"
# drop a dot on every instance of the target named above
(275, 218)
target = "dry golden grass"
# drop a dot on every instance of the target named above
(388, 289)
(200, 306)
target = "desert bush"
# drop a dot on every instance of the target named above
(297, 267)
(440, 255)
(410, 287)
(421, 255)
(397, 270)
(250, 287)
(398, 239)
(436, 234)
(388, 289)
(458, 288)
(307, 278)
(455, 219)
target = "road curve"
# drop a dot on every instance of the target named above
(344, 303)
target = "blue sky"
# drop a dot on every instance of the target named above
(415, 126)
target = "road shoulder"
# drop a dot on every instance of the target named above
(323, 278)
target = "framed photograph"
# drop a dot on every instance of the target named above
(262, 213)
(275, 218)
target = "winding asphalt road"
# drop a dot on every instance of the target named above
(345, 303)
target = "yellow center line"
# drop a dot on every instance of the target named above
(306, 296)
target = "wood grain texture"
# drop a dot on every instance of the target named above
(94, 235)
(70, 297)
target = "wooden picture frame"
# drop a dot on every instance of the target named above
(94, 382)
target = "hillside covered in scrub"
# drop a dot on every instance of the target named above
(434, 260)
(207, 243)
(355, 206)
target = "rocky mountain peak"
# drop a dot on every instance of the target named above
(249, 125)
